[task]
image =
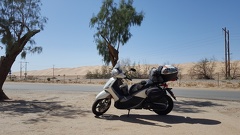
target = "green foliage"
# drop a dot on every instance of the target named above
(19, 21)
(114, 24)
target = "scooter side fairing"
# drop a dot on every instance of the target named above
(132, 101)
(108, 87)
(102, 95)
(129, 102)
(141, 93)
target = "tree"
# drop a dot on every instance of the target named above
(20, 20)
(113, 27)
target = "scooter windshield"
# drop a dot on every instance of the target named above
(118, 66)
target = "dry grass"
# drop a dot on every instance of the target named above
(231, 84)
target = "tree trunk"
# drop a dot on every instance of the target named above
(3, 96)
(5, 66)
(7, 62)
(113, 55)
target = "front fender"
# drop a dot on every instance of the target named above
(103, 94)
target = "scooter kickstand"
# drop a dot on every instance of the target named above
(128, 112)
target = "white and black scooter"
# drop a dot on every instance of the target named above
(150, 94)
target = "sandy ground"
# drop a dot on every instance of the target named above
(57, 112)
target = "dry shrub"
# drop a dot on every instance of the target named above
(191, 84)
(204, 69)
(210, 85)
(229, 85)
(238, 86)
(101, 82)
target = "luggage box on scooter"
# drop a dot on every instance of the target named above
(155, 93)
(169, 77)
(163, 74)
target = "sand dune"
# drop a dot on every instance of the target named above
(183, 68)
(62, 71)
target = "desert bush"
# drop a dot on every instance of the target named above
(105, 71)
(103, 74)
(210, 85)
(88, 75)
(234, 70)
(191, 84)
(204, 69)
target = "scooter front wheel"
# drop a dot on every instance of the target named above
(100, 106)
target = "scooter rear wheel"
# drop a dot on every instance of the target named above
(169, 105)
(100, 106)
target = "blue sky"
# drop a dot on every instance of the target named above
(173, 31)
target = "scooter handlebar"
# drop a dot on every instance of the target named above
(128, 78)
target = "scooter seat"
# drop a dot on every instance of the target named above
(136, 87)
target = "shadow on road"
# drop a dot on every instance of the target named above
(156, 119)
(42, 109)
(183, 106)
(192, 106)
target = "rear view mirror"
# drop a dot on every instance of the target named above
(132, 69)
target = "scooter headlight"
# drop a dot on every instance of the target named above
(114, 72)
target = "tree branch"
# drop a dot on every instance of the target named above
(8, 33)
(113, 53)
(23, 41)
(18, 47)
(105, 39)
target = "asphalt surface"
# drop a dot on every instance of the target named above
(179, 92)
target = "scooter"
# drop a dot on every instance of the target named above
(148, 94)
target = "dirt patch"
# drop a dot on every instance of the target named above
(56, 112)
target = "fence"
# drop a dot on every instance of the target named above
(78, 79)
(183, 81)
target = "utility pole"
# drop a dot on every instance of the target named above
(228, 48)
(53, 71)
(227, 53)
(53, 74)
(225, 34)
(21, 69)
(25, 74)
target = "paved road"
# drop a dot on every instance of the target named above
(208, 94)
(179, 92)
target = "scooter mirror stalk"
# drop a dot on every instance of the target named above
(133, 69)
